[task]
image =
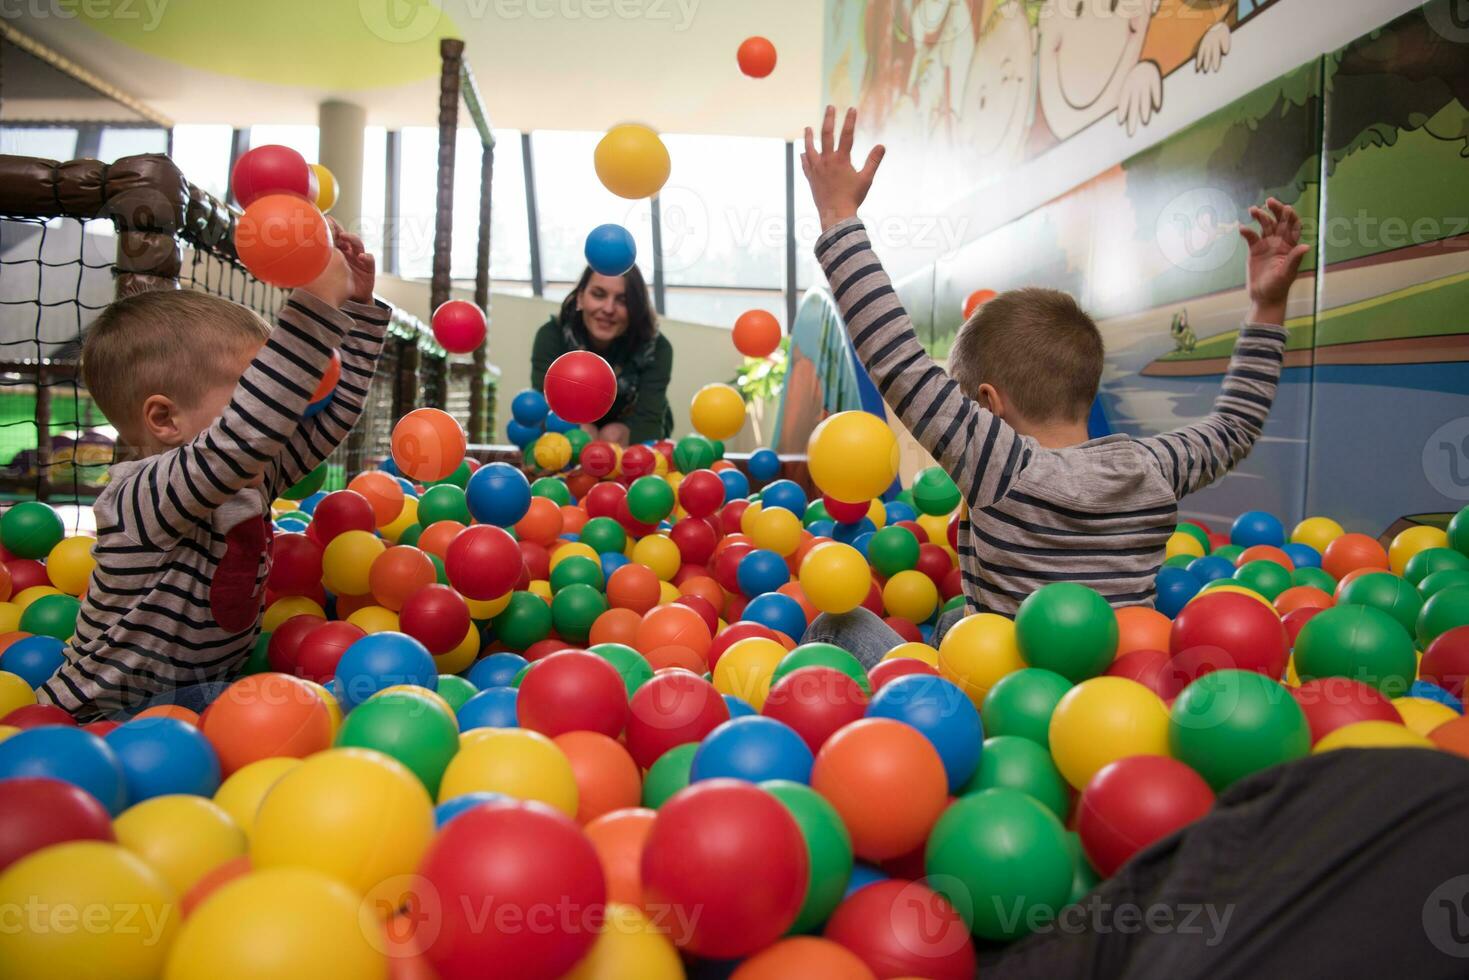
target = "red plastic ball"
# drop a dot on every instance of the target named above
(295, 565)
(704, 608)
(25, 573)
(40, 812)
(272, 169)
(283, 240)
(341, 511)
(934, 562)
(1150, 668)
(573, 691)
(695, 539)
(873, 602)
(816, 702)
(1243, 627)
(437, 617)
(580, 387)
(320, 649)
(756, 56)
(38, 716)
(915, 529)
(1135, 801)
(521, 858)
(756, 332)
(887, 671)
(952, 585)
(541, 649)
(604, 499)
(537, 564)
(598, 459)
(951, 530)
(482, 563)
(904, 628)
(1330, 703)
(727, 566)
(731, 514)
(732, 634)
(1189, 665)
(701, 493)
(637, 461)
(904, 929)
(1296, 620)
(459, 326)
(283, 653)
(1446, 661)
(977, 299)
(729, 860)
(329, 379)
(672, 708)
(843, 512)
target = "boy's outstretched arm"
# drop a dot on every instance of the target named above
(981, 453)
(1195, 456)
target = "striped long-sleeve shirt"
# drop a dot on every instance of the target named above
(183, 537)
(1098, 513)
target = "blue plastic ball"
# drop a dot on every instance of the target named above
(736, 484)
(862, 876)
(70, 755)
(762, 571)
(611, 562)
(292, 525)
(389, 467)
(307, 505)
(787, 494)
(849, 533)
(164, 756)
(33, 659)
(1302, 555)
(754, 749)
(409, 490)
(522, 435)
(739, 708)
(449, 809)
(1431, 691)
(610, 249)
(897, 511)
(555, 423)
(493, 707)
(498, 494)
(777, 611)
(942, 713)
(861, 541)
(1176, 586)
(1211, 567)
(496, 670)
(822, 528)
(529, 407)
(1257, 527)
(764, 464)
(382, 660)
(315, 407)
(925, 630)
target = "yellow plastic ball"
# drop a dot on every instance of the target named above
(778, 530)
(835, 577)
(1104, 719)
(9, 617)
(333, 706)
(631, 161)
(69, 565)
(1183, 544)
(287, 607)
(1317, 532)
(877, 513)
(667, 592)
(326, 184)
(552, 452)
(6, 731)
(914, 651)
(281, 505)
(407, 517)
(1236, 587)
(910, 595)
(488, 609)
(853, 456)
(375, 619)
(85, 909)
(181, 837)
(14, 693)
(515, 761)
(1292, 678)
(353, 814)
(434, 698)
(1423, 715)
(1372, 735)
(27, 596)
(241, 793)
(346, 560)
(746, 668)
(717, 412)
(540, 588)
(459, 658)
(573, 549)
(285, 923)
(1408, 543)
(629, 947)
(747, 519)
(660, 465)
(977, 651)
(659, 553)
(936, 526)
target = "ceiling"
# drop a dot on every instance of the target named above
(540, 64)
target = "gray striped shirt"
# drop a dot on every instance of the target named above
(1099, 513)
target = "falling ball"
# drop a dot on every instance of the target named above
(631, 161)
(580, 387)
(756, 57)
(610, 250)
(459, 326)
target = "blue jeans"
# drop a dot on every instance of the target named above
(195, 697)
(864, 635)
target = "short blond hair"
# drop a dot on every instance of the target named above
(178, 343)
(1038, 348)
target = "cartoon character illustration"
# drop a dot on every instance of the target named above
(997, 105)
(943, 37)
(1184, 339)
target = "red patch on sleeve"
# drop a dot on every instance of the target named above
(237, 589)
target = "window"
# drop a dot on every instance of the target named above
(203, 154)
(126, 142)
(305, 140)
(374, 188)
(46, 142)
(571, 201)
(808, 229)
(721, 307)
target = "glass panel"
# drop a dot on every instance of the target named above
(46, 142)
(203, 154)
(571, 201)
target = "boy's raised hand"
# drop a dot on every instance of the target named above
(361, 265)
(837, 187)
(1275, 258)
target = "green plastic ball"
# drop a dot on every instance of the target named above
(815, 511)
(650, 499)
(31, 529)
(828, 851)
(1266, 577)
(456, 690)
(259, 660)
(576, 570)
(51, 615)
(444, 502)
(1438, 581)
(459, 478)
(893, 550)
(1195, 532)
(822, 655)
(1013, 762)
(1067, 628)
(1021, 704)
(719, 450)
(693, 453)
(578, 439)
(1447, 609)
(519, 677)
(552, 488)
(1086, 877)
(633, 666)
(1363, 643)
(441, 574)
(1431, 560)
(526, 620)
(406, 727)
(957, 602)
(574, 609)
(1458, 531)
(1231, 723)
(1229, 552)
(1002, 860)
(1180, 561)
(604, 536)
(1386, 591)
(411, 534)
(934, 492)
(1316, 578)
(668, 775)
(307, 485)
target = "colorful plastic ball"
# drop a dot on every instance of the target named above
(1068, 629)
(815, 702)
(381, 660)
(1133, 802)
(1373, 735)
(525, 620)
(764, 464)
(735, 852)
(529, 407)
(977, 651)
(650, 499)
(1000, 857)
(1257, 527)
(1231, 723)
(31, 529)
(756, 332)
(263, 716)
(1022, 703)
(493, 707)
(573, 691)
(717, 411)
(1268, 578)
(1445, 610)
(671, 709)
(70, 755)
(580, 387)
(785, 494)
(910, 595)
(1103, 719)
(428, 444)
(181, 837)
(1316, 532)
(828, 850)
(436, 617)
(701, 493)
(498, 494)
(1423, 715)
(15, 692)
(1176, 586)
(668, 775)
(1410, 542)
(522, 435)
(631, 161)
(835, 578)
(1246, 629)
(762, 571)
(406, 727)
(888, 783)
(164, 756)
(853, 456)
(69, 564)
(483, 563)
(41, 812)
(629, 945)
(82, 876)
(756, 58)
(34, 658)
(607, 779)
(779, 612)
(934, 491)
(904, 929)
(1382, 590)
(273, 169)
(1348, 552)
(736, 484)
(942, 713)
(1360, 642)
(1445, 662)
(610, 250)
(753, 749)
(1330, 703)
(893, 550)
(283, 240)
(1428, 562)
(1012, 762)
(449, 809)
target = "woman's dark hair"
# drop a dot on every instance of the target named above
(642, 322)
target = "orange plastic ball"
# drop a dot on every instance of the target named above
(428, 444)
(437, 537)
(756, 332)
(1265, 552)
(349, 604)
(263, 716)
(212, 882)
(1452, 736)
(1141, 628)
(383, 492)
(705, 588)
(175, 711)
(977, 299)
(634, 587)
(329, 379)
(606, 777)
(793, 589)
(756, 57)
(660, 658)
(283, 240)
(1350, 552)
(398, 573)
(804, 956)
(1302, 597)
(619, 838)
(542, 523)
(573, 519)
(673, 625)
(615, 626)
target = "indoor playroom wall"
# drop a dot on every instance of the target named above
(1367, 136)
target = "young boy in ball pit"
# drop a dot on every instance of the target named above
(213, 400)
(1008, 420)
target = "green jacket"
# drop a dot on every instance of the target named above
(642, 400)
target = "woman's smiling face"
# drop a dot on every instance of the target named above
(603, 304)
